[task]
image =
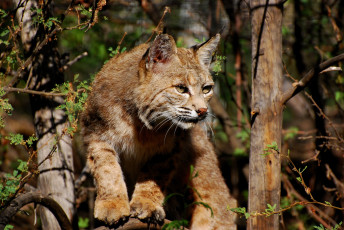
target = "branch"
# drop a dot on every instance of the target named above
(160, 23)
(30, 59)
(336, 181)
(300, 85)
(34, 197)
(136, 224)
(76, 59)
(313, 210)
(35, 92)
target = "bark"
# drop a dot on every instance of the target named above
(265, 166)
(54, 149)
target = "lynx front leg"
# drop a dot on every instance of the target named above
(112, 203)
(148, 197)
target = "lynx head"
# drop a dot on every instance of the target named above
(175, 83)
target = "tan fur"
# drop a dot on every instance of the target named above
(142, 134)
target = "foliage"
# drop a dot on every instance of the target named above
(39, 18)
(217, 68)
(74, 102)
(11, 183)
(336, 227)
(273, 146)
(5, 107)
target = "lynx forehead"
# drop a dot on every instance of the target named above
(141, 129)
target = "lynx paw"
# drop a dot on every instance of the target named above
(112, 212)
(147, 211)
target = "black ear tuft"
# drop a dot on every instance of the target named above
(206, 50)
(162, 49)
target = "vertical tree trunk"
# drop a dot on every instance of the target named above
(54, 149)
(264, 176)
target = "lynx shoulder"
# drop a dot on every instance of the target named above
(142, 129)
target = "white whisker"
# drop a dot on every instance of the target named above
(167, 133)
(212, 115)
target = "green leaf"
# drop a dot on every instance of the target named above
(176, 224)
(170, 196)
(320, 227)
(31, 140)
(339, 97)
(15, 139)
(270, 208)
(83, 222)
(23, 167)
(291, 133)
(301, 171)
(4, 32)
(240, 152)
(8, 226)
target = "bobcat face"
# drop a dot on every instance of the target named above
(180, 81)
(187, 99)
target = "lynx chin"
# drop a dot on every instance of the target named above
(142, 128)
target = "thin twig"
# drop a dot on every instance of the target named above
(30, 59)
(156, 30)
(339, 138)
(336, 181)
(312, 209)
(76, 59)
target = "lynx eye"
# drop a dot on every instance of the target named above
(206, 89)
(182, 89)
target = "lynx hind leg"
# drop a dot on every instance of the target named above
(112, 203)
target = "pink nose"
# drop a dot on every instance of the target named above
(201, 111)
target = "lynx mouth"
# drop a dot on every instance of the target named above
(185, 122)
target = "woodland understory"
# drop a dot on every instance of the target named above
(278, 108)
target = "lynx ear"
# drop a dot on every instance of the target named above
(161, 51)
(206, 50)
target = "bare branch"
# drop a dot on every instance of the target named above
(339, 137)
(34, 197)
(300, 85)
(76, 59)
(336, 181)
(35, 92)
(135, 224)
(28, 61)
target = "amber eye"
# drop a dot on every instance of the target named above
(206, 89)
(182, 89)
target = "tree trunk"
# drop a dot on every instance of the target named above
(54, 148)
(265, 173)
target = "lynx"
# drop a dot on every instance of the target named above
(143, 131)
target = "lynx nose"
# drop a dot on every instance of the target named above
(201, 111)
